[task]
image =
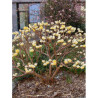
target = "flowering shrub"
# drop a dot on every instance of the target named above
(65, 10)
(55, 47)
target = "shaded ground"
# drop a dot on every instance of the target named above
(67, 85)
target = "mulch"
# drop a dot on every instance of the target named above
(67, 85)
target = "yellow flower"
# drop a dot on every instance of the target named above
(66, 61)
(35, 24)
(54, 62)
(46, 23)
(78, 66)
(64, 44)
(75, 58)
(69, 40)
(41, 27)
(43, 61)
(47, 62)
(73, 45)
(15, 74)
(25, 28)
(43, 37)
(31, 50)
(27, 70)
(62, 23)
(62, 27)
(69, 27)
(22, 31)
(29, 63)
(77, 62)
(61, 65)
(73, 29)
(15, 33)
(50, 60)
(21, 44)
(84, 46)
(53, 37)
(60, 41)
(15, 54)
(33, 29)
(32, 66)
(17, 50)
(18, 64)
(69, 60)
(76, 42)
(56, 22)
(76, 47)
(30, 26)
(74, 65)
(17, 44)
(82, 67)
(69, 32)
(37, 47)
(23, 55)
(40, 46)
(34, 43)
(47, 30)
(35, 64)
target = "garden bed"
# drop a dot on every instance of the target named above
(67, 85)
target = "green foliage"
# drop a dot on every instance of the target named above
(68, 79)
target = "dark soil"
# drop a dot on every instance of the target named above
(67, 85)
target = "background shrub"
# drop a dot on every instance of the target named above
(64, 10)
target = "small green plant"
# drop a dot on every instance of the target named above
(55, 48)
(68, 79)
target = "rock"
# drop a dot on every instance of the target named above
(56, 94)
(48, 85)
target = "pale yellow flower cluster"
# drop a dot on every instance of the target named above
(83, 46)
(33, 65)
(15, 33)
(21, 44)
(16, 53)
(18, 64)
(34, 43)
(79, 30)
(17, 50)
(60, 41)
(52, 62)
(31, 49)
(45, 63)
(15, 74)
(67, 61)
(16, 37)
(27, 70)
(39, 46)
(79, 64)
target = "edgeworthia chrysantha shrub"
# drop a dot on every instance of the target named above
(51, 49)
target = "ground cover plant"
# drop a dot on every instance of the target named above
(55, 46)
